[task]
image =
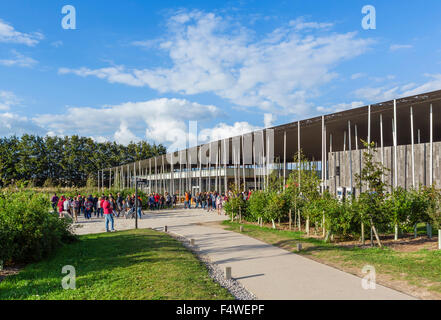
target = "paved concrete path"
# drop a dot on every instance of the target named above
(266, 271)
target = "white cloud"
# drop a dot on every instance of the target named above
(57, 44)
(379, 94)
(395, 47)
(15, 124)
(277, 73)
(301, 24)
(18, 60)
(268, 120)
(432, 85)
(124, 135)
(358, 75)
(223, 131)
(156, 118)
(7, 100)
(340, 107)
(9, 35)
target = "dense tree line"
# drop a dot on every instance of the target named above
(64, 161)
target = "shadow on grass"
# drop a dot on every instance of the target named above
(90, 256)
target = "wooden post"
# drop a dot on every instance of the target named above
(439, 239)
(290, 219)
(228, 274)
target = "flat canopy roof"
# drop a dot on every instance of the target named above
(337, 124)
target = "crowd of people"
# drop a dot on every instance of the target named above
(117, 206)
(104, 206)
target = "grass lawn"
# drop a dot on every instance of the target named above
(138, 264)
(417, 273)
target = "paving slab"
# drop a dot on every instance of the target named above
(265, 270)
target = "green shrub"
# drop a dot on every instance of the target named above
(235, 206)
(277, 206)
(256, 205)
(28, 231)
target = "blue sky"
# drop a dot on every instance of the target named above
(143, 69)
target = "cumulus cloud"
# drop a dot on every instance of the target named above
(278, 72)
(157, 120)
(223, 131)
(268, 120)
(19, 60)
(9, 35)
(340, 107)
(7, 100)
(395, 47)
(384, 93)
(358, 75)
(15, 124)
(302, 24)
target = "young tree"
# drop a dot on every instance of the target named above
(372, 177)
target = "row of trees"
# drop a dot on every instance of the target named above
(64, 161)
(375, 210)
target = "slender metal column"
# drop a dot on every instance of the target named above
(326, 160)
(284, 160)
(200, 169)
(350, 154)
(254, 165)
(395, 146)
(413, 146)
(356, 137)
(298, 152)
(156, 175)
(243, 164)
(180, 173)
(323, 154)
(219, 171)
(369, 126)
(209, 169)
(268, 170)
(172, 176)
(431, 146)
(128, 177)
(98, 181)
(334, 162)
(190, 173)
(344, 141)
(382, 142)
(226, 167)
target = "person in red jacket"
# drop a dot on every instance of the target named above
(157, 197)
(60, 206)
(108, 214)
